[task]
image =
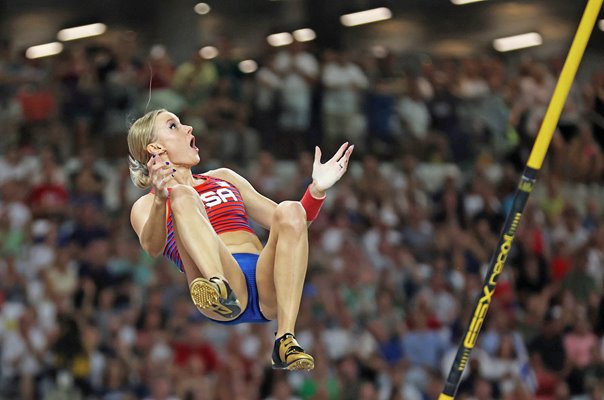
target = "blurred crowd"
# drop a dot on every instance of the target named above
(397, 255)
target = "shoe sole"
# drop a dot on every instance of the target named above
(205, 296)
(298, 365)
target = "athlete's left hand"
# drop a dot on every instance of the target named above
(325, 175)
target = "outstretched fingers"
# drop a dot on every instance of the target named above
(343, 161)
(339, 153)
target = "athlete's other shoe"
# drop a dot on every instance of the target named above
(287, 354)
(215, 295)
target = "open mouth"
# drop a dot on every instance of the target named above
(192, 143)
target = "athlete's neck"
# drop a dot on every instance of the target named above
(183, 176)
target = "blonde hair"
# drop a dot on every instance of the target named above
(140, 134)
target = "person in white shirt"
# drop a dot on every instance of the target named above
(414, 113)
(265, 116)
(15, 166)
(24, 343)
(299, 71)
(343, 83)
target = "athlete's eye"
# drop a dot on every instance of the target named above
(172, 125)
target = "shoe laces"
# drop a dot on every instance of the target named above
(291, 345)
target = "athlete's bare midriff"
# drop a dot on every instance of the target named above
(241, 242)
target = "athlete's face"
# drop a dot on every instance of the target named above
(175, 139)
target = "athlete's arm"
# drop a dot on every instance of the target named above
(261, 208)
(148, 214)
(148, 218)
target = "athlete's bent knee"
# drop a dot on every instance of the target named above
(290, 215)
(180, 195)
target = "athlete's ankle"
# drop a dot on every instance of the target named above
(279, 335)
(288, 354)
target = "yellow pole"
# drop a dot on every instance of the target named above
(575, 54)
(542, 141)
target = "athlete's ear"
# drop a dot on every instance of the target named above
(155, 148)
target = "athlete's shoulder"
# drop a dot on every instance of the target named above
(232, 177)
(226, 174)
(143, 202)
(140, 210)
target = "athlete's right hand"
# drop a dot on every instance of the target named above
(160, 172)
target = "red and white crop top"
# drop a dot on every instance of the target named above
(224, 206)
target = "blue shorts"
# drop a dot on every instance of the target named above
(252, 314)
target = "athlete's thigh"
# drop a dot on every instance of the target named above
(231, 269)
(265, 277)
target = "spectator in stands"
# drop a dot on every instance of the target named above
(343, 85)
(194, 80)
(299, 71)
(266, 105)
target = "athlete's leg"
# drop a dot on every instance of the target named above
(280, 277)
(192, 273)
(200, 247)
(282, 266)
(195, 232)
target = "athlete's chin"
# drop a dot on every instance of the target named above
(195, 160)
(190, 162)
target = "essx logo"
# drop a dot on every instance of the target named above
(488, 290)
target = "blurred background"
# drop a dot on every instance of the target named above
(442, 99)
